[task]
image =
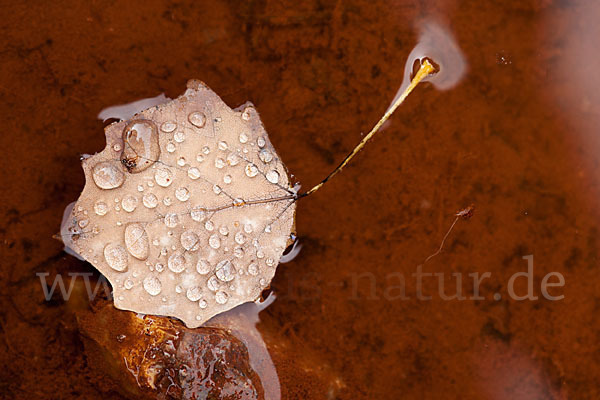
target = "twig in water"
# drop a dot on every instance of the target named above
(465, 214)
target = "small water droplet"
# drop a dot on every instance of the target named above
(247, 113)
(128, 284)
(223, 145)
(219, 162)
(206, 150)
(225, 271)
(270, 262)
(248, 228)
(261, 142)
(129, 203)
(232, 159)
(217, 189)
(209, 226)
(198, 214)
(223, 230)
(253, 269)
(107, 176)
(203, 267)
(150, 200)
(198, 119)
(100, 208)
(167, 201)
(227, 179)
(265, 156)
(199, 158)
(272, 176)
(171, 220)
(214, 242)
(181, 161)
(152, 285)
(176, 263)
(243, 138)
(194, 293)
(159, 267)
(212, 283)
(168, 126)
(179, 136)
(182, 194)
(203, 304)
(194, 173)
(240, 238)
(221, 297)
(163, 177)
(251, 170)
(170, 147)
(190, 241)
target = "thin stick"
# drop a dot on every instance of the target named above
(425, 70)
(465, 214)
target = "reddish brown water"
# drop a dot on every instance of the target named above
(517, 137)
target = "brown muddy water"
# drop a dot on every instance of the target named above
(517, 136)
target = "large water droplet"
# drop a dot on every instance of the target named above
(136, 241)
(116, 257)
(141, 149)
(107, 176)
